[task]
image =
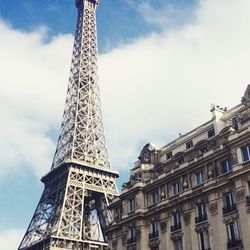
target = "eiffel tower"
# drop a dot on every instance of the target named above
(72, 212)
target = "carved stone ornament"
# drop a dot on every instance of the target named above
(154, 243)
(202, 227)
(231, 218)
(244, 115)
(186, 217)
(246, 98)
(114, 243)
(213, 208)
(176, 236)
(185, 185)
(210, 173)
(138, 233)
(124, 238)
(145, 155)
(163, 225)
(163, 195)
(240, 195)
(131, 247)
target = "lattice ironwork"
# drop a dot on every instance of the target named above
(73, 210)
(82, 134)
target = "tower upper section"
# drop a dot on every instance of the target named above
(81, 2)
(82, 135)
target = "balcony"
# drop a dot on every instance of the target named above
(176, 227)
(200, 218)
(131, 241)
(234, 243)
(229, 209)
(153, 235)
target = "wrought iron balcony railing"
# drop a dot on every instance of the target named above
(175, 227)
(153, 235)
(131, 241)
(229, 209)
(234, 243)
(201, 218)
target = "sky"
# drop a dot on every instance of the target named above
(162, 63)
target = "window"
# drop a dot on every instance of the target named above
(201, 209)
(154, 230)
(233, 231)
(177, 218)
(154, 197)
(210, 133)
(203, 240)
(180, 160)
(131, 204)
(154, 227)
(176, 222)
(201, 213)
(175, 188)
(246, 153)
(235, 123)
(199, 178)
(229, 200)
(178, 244)
(229, 203)
(118, 213)
(169, 155)
(203, 150)
(189, 144)
(131, 235)
(248, 193)
(226, 166)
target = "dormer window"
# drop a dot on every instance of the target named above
(210, 133)
(234, 123)
(180, 160)
(146, 157)
(189, 144)
(203, 150)
(169, 155)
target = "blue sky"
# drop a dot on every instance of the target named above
(119, 21)
(161, 62)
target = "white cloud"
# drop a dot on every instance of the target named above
(10, 239)
(32, 90)
(169, 16)
(152, 89)
(164, 84)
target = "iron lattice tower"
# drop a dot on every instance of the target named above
(72, 212)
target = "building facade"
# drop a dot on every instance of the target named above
(193, 193)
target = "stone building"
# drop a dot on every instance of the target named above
(193, 193)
